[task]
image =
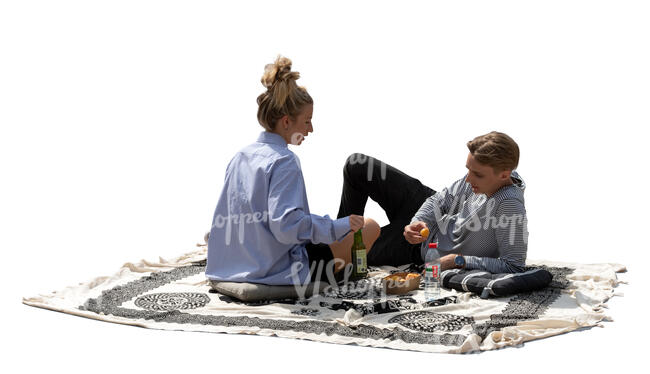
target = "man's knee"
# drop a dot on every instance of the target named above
(355, 163)
(356, 159)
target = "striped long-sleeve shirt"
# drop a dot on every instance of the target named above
(491, 233)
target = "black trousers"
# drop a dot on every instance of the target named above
(399, 194)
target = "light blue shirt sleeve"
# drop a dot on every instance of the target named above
(289, 217)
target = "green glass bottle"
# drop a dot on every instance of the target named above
(359, 260)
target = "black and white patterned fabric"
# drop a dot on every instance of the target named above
(175, 295)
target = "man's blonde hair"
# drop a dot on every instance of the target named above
(495, 149)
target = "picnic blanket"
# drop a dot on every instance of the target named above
(175, 295)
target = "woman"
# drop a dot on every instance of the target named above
(262, 230)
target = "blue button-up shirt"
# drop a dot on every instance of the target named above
(262, 220)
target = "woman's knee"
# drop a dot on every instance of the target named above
(371, 230)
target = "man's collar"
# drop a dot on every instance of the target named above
(271, 138)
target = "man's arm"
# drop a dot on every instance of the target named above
(441, 203)
(512, 238)
(492, 265)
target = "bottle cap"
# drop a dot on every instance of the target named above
(433, 245)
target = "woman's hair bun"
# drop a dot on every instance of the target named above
(282, 96)
(280, 70)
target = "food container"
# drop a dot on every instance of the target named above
(401, 283)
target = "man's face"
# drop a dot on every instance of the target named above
(483, 178)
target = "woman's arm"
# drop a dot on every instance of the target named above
(289, 217)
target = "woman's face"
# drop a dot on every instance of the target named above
(295, 130)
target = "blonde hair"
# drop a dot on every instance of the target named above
(495, 149)
(283, 96)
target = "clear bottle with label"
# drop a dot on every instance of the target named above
(432, 273)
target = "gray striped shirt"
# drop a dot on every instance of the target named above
(491, 233)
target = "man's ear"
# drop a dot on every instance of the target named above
(505, 174)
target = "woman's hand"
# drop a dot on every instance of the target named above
(412, 232)
(356, 222)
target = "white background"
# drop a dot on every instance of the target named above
(118, 120)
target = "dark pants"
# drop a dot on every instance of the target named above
(397, 193)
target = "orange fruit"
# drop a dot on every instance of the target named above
(424, 232)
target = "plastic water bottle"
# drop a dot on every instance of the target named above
(432, 273)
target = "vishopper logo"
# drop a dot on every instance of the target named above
(358, 158)
(301, 288)
(241, 220)
(359, 288)
(514, 223)
(297, 138)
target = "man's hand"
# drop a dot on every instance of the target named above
(447, 262)
(412, 232)
(356, 222)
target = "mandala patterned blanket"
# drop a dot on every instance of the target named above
(175, 295)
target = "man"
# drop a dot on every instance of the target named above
(479, 222)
